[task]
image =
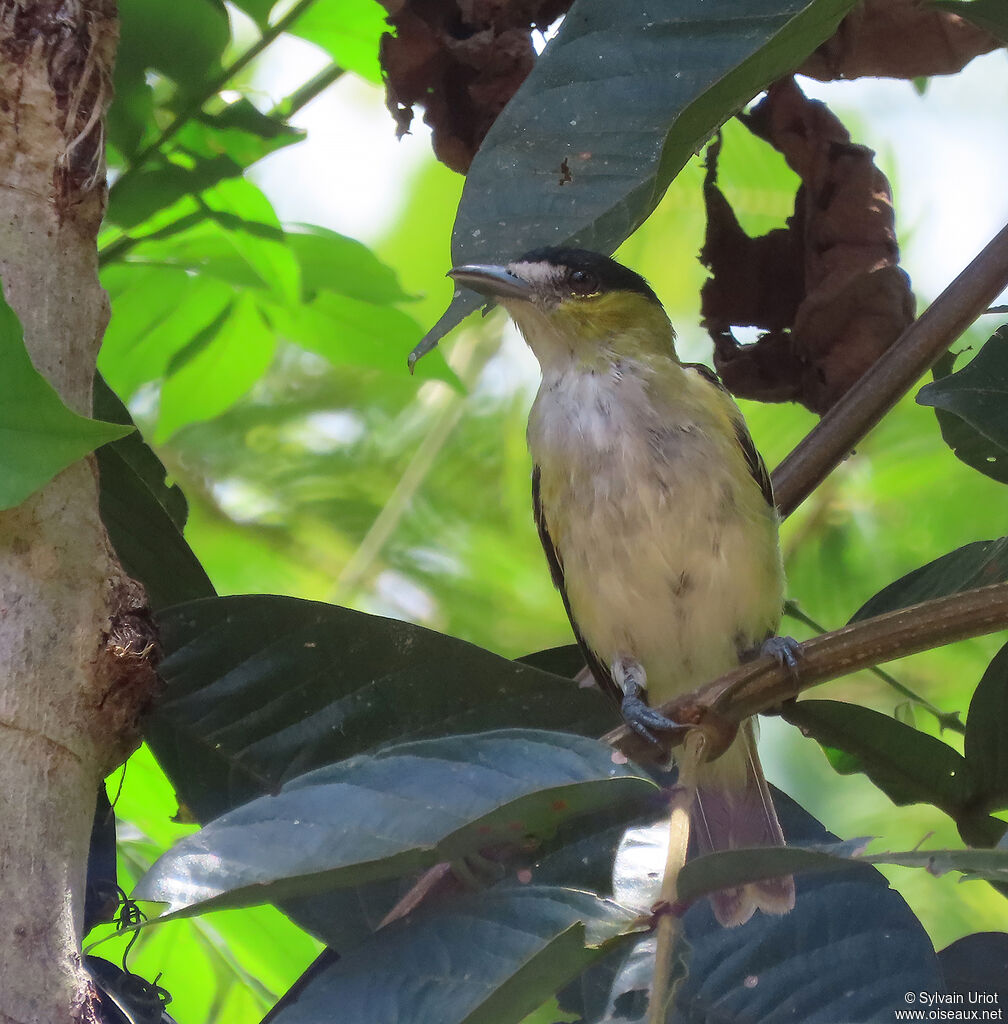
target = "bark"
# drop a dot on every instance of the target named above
(71, 686)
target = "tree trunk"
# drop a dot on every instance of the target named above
(71, 690)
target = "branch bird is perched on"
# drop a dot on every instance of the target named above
(656, 515)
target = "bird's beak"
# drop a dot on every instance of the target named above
(493, 281)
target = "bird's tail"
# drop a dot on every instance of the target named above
(733, 810)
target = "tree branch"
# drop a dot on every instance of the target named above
(892, 376)
(763, 684)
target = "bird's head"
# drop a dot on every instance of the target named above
(576, 307)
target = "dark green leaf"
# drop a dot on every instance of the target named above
(385, 815)
(261, 689)
(39, 434)
(101, 898)
(561, 661)
(973, 565)
(145, 516)
(972, 408)
(973, 448)
(787, 967)
(481, 959)
(907, 765)
(977, 963)
(794, 959)
(986, 743)
(990, 15)
(622, 98)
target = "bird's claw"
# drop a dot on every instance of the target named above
(642, 719)
(785, 650)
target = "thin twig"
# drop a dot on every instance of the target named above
(304, 94)
(763, 684)
(892, 376)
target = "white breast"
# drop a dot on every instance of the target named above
(660, 562)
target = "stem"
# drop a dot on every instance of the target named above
(763, 684)
(303, 95)
(892, 376)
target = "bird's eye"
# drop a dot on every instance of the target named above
(583, 283)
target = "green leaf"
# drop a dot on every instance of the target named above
(261, 689)
(145, 516)
(388, 814)
(348, 331)
(622, 98)
(986, 741)
(990, 15)
(39, 435)
(235, 236)
(130, 120)
(258, 10)
(480, 959)
(974, 565)
(224, 369)
(239, 131)
(333, 262)
(265, 252)
(907, 765)
(183, 41)
(972, 408)
(157, 313)
(141, 194)
(349, 31)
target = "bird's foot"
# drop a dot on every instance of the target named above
(630, 678)
(785, 649)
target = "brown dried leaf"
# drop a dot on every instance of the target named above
(462, 60)
(898, 39)
(828, 291)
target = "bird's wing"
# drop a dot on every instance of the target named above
(757, 467)
(597, 667)
(753, 459)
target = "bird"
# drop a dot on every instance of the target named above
(657, 518)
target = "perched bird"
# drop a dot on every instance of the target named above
(656, 515)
